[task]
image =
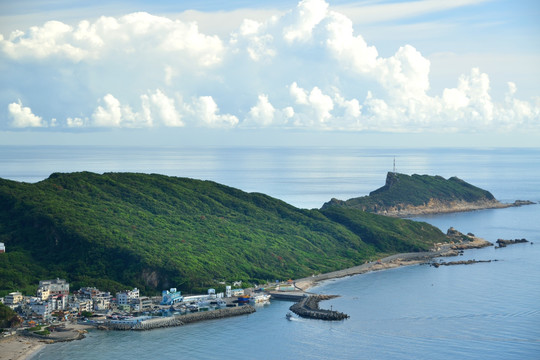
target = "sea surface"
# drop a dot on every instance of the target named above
(480, 311)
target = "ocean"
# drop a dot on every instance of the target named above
(485, 310)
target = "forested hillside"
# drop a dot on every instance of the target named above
(120, 230)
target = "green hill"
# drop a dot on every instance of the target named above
(120, 230)
(404, 195)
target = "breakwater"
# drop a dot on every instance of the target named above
(308, 307)
(179, 320)
(462, 262)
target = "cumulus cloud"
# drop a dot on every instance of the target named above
(23, 117)
(307, 68)
(264, 114)
(206, 111)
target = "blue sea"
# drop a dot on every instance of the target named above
(480, 311)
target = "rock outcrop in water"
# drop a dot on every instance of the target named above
(503, 243)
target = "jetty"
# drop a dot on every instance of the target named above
(177, 320)
(308, 307)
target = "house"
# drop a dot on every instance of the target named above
(2, 248)
(47, 288)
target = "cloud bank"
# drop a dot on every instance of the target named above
(308, 68)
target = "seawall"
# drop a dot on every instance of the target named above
(180, 320)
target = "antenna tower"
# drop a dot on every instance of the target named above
(394, 164)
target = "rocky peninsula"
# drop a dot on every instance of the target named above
(413, 195)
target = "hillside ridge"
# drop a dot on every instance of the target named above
(120, 230)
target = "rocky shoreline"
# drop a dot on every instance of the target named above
(435, 207)
(462, 262)
(503, 243)
(461, 242)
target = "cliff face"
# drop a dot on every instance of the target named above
(411, 195)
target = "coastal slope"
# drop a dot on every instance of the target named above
(119, 230)
(409, 195)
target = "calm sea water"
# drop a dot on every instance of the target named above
(480, 311)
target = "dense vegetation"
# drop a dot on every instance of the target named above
(8, 317)
(119, 230)
(415, 190)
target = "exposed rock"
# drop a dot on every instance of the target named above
(462, 262)
(503, 243)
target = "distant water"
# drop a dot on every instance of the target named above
(480, 311)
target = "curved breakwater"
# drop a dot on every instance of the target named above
(308, 307)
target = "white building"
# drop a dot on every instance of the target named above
(127, 297)
(58, 302)
(83, 305)
(42, 309)
(2, 248)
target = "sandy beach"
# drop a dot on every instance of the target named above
(21, 347)
(393, 261)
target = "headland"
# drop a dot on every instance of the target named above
(413, 195)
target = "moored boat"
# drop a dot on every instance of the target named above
(260, 298)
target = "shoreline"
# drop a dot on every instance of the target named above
(391, 262)
(24, 346)
(457, 207)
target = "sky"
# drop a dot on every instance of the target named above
(373, 72)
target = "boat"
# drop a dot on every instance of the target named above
(288, 316)
(260, 298)
(203, 304)
(243, 298)
(221, 303)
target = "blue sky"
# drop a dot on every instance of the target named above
(375, 73)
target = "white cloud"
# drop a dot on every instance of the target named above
(205, 110)
(110, 115)
(165, 109)
(23, 116)
(262, 113)
(308, 14)
(133, 34)
(307, 68)
(75, 122)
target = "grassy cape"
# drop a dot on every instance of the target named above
(403, 190)
(120, 230)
